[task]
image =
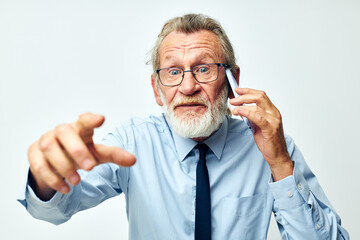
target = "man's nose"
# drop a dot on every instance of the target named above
(189, 85)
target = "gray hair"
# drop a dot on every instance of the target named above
(191, 23)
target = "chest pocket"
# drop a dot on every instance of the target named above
(243, 217)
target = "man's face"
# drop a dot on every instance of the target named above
(191, 100)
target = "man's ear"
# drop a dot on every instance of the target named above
(237, 78)
(156, 90)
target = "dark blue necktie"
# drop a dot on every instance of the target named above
(203, 203)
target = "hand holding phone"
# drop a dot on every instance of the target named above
(233, 85)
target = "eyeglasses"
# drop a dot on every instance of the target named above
(203, 73)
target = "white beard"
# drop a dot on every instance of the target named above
(192, 124)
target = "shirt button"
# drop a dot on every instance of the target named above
(318, 226)
(290, 194)
(299, 186)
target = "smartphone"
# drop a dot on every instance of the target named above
(233, 85)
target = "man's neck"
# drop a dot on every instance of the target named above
(200, 139)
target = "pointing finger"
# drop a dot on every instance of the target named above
(86, 123)
(115, 155)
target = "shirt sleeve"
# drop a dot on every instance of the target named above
(301, 208)
(95, 187)
(103, 182)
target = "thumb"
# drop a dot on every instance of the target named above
(114, 155)
(86, 123)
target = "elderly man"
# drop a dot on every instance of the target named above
(199, 173)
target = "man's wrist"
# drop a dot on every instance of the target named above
(283, 170)
(42, 191)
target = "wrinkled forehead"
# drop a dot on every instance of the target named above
(204, 43)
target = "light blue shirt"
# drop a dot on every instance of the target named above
(160, 188)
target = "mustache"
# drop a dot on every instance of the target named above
(190, 100)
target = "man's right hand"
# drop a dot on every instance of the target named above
(60, 152)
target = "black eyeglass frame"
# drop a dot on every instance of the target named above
(192, 71)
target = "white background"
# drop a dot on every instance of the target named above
(61, 58)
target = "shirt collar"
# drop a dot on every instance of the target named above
(216, 142)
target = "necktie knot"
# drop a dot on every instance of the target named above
(203, 148)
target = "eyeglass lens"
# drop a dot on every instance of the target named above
(203, 73)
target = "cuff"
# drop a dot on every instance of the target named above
(291, 191)
(27, 196)
(31, 198)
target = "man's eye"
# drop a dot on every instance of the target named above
(203, 70)
(174, 72)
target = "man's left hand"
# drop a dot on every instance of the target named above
(269, 133)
